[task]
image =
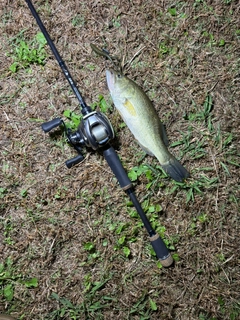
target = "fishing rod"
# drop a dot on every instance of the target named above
(95, 131)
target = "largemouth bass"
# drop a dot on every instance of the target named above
(142, 119)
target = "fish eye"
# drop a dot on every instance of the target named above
(119, 75)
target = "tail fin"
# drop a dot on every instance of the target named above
(175, 170)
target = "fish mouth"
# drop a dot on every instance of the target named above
(110, 79)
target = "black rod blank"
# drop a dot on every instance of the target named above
(85, 108)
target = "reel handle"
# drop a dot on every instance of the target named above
(49, 125)
(71, 162)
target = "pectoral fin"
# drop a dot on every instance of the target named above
(130, 108)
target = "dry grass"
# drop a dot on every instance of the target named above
(49, 213)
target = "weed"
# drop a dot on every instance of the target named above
(203, 316)
(24, 193)
(172, 11)
(135, 172)
(93, 303)
(27, 53)
(92, 252)
(204, 114)
(6, 16)
(235, 311)
(126, 251)
(78, 20)
(163, 49)
(8, 227)
(195, 186)
(9, 278)
(116, 22)
(3, 192)
(102, 104)
(153, 305)
(91, 67)
(143, 308)
(74, 119)
(194, 147)
(203, 217)
(152, 174)
(127, 236)
(61, 193)
(197, 221)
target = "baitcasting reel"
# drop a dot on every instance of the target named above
(94, 131)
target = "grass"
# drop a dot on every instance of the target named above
(91, 307)
(72, 245)
(10, 278)
(25, 53)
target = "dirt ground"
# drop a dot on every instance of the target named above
(71, 246)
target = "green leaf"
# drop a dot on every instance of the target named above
(55, 296)
(8, 292)
(158, 208)
(175, 257)
(225, 168)
(13, 67)
(172, 11)
(89, 246)
(126, 251)
(3, 191)
(153, 304)
(159, 265)
(33, 282)
(221, 43)
(40, 38)
(103, 104)
(149, 175)
(67, 113)
(1, 268)
(74, 119)
(221, 302)
(105, 243)
(228, 140)
(132, 175)
(151, 209)
(24, 193)
(122, 240)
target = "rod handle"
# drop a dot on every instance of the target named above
(115, 164)
(161, 250)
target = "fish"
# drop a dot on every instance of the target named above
(139, 114)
